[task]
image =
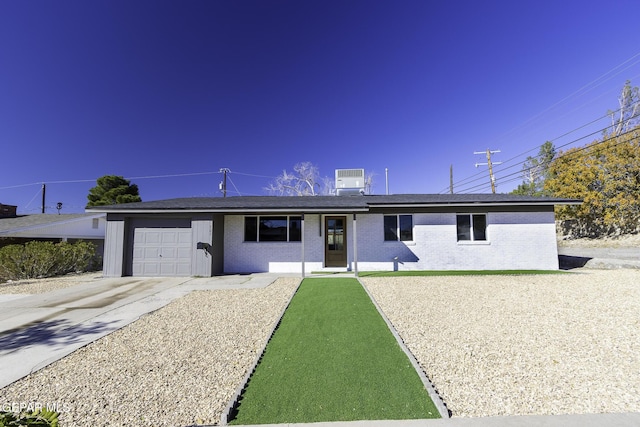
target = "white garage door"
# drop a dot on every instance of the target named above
(162, 252)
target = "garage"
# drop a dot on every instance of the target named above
(162, 251)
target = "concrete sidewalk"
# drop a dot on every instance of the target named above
(580, 420)
(36, 330)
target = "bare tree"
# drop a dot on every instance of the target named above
(628, 115)
(328, 187)
(535, 171)
(368, 183)
(303, 181)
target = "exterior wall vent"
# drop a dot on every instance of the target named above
(349, 182)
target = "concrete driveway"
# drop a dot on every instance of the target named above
(36, 330)
(594, 257)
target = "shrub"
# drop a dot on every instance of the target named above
(76, 257)
(39, 418)
(45, 259)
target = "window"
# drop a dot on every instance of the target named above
(390, 227)
(295, 228)
(471, 227)
(250, 229)
(272, 228)
(406, 228)
(398, 225)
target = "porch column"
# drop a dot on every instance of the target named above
(302, 242)
(355, 247)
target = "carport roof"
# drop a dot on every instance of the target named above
(23, 223)
(327, 203)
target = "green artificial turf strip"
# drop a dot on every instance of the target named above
(333, 358)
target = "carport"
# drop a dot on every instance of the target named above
(179, 245)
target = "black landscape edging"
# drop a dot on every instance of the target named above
(433, 393)
(232, 407)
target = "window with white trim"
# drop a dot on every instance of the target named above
(471, 227)
(272, 228)
(398, 227)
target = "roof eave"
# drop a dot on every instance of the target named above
(472, 204)
(236, 211)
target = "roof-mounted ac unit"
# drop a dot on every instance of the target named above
(349, 182)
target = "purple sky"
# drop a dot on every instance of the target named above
(153, 88)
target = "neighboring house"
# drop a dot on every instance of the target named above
(19, 229)
(208, 236)
(7, 211)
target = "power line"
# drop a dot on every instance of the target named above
(469, 180)
(566, 154)
(254, 175)
(234, 186)
(177, 175)
(522, 163)
(33, 198)
(583, 90)
(490, 164)
(623, 66)
(171, 175)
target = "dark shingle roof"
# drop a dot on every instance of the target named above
(9, 225)
(326, 203)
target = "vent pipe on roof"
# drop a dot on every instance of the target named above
(386, 180)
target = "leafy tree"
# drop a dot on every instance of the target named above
(606, 175)
(535, 170)
(111, 190)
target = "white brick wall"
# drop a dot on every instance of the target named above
(276, 257)
(515, 241)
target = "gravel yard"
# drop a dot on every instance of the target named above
(516, 345)
(177, 366)
(39, 286)
(491, 345)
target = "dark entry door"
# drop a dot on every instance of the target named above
(335, 248)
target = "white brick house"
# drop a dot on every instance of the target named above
(207, 236)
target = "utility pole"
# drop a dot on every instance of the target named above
(44, 193)
(223, 184)
(451, 179)
(490, 164)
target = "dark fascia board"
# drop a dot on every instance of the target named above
(466, 205)
(243, 204)
(327, 204)
(435, 200)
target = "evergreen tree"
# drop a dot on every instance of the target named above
(112, 190)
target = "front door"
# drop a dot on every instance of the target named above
(335, 248)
